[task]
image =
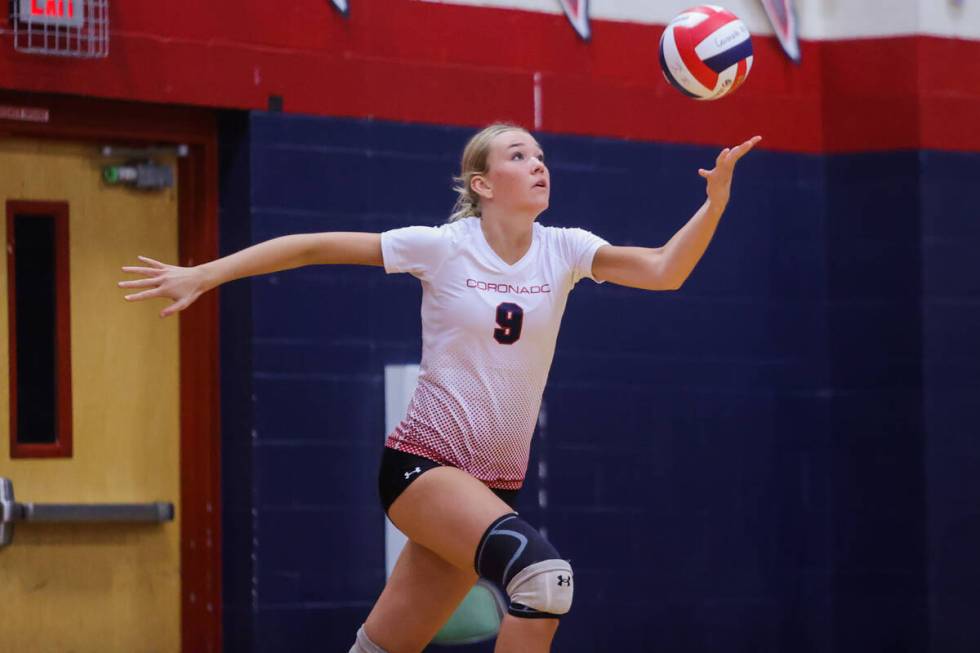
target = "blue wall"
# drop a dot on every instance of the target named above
(951, 370)
(739, 466)
(237, 416)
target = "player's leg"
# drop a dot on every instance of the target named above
(419, 597)
(458, 518)
(531, 635)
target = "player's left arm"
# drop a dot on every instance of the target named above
(667, 267)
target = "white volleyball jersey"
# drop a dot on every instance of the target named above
(488, 339)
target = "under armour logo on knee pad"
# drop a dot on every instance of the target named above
(564, 580)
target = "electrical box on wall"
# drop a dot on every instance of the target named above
(67, 28)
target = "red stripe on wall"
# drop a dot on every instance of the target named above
(422, 62)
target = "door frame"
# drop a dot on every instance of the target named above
(104, 121)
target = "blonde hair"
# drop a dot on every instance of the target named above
(474, 162)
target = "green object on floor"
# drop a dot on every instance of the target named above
(477, 618)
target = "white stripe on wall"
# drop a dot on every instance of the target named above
(819, 20)
(400, 382)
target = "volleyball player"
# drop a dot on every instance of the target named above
(495, 282)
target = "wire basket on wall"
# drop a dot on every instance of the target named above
(64, 28)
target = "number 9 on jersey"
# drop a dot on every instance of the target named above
(510, 319)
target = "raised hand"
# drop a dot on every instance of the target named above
(720, 177)
(182, 285)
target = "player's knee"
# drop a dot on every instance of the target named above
(544, 587)
(516, 557)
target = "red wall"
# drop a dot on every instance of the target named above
(415, 61)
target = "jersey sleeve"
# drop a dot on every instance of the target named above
(579, 247)
(420, 251)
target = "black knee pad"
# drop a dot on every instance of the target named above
(514, 555)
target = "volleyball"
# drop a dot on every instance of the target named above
(706, 52)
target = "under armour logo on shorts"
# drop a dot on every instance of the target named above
(417, 470)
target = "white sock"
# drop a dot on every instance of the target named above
(364, 645)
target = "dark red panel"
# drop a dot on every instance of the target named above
(200, 427)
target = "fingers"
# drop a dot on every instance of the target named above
(745, 147)
(149, 272)
(156, 264)
(146, 294)
(728, 157)
(139, 283)
(749, 144)
(733, 154)
(155, 277)
(152, 279)
(157, 268)
(176, 307)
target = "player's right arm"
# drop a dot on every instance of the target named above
(184, 285)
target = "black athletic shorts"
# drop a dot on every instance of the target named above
(399, 469)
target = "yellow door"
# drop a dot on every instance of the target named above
(97, 587)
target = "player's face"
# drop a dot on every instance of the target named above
(517, 174)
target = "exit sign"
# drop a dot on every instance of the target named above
(69, 13)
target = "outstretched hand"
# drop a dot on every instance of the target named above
(182, 285)
(720, 177)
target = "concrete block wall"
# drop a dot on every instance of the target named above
(777, 457)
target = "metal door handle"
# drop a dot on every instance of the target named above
(11, 511)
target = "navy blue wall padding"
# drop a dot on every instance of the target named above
(951, 373)
(237, 418)
(779, 457)
(874, 321)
